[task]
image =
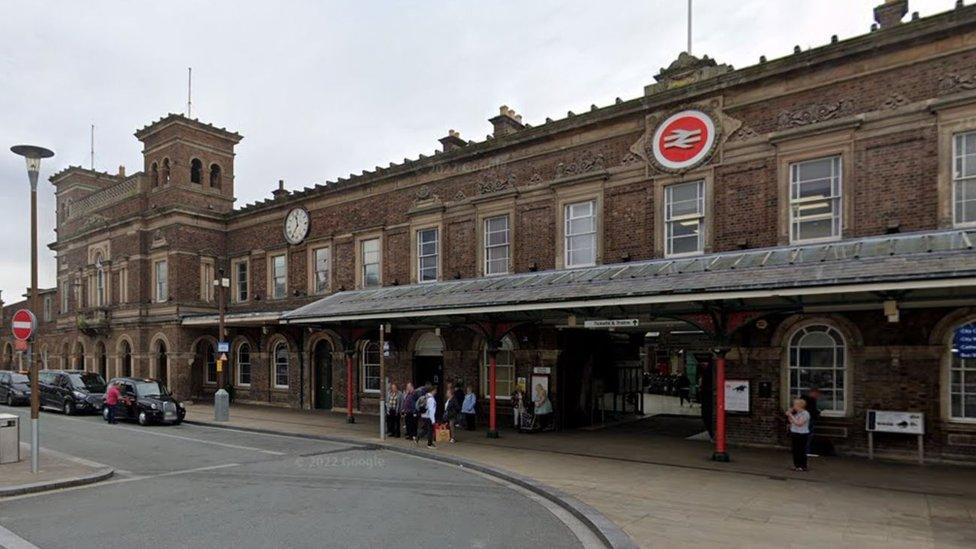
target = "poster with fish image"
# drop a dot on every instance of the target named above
(737, 396)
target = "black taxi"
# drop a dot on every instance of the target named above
(147, 401)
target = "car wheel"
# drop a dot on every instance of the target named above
(69, 408)
(143, 418)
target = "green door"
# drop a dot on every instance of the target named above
(323, 376)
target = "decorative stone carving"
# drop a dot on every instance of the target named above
(957, 82)
(460, 196)
(630, 159)
(816, 113)
(894, 101)
(493, 182)
(423, 193)
(584, 162)
(536, 178)
(744, 133)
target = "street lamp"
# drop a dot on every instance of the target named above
(33, 155)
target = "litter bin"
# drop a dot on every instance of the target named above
(9, 438)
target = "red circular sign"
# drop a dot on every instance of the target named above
(24, 324)
(683, 139)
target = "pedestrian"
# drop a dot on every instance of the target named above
(452, 411)
(458, 396)
(112, 402)
(814, 410)
(468, 410)
(428, 416)
(518, 407)
(799, 420)
(394, 401)
(409, 410)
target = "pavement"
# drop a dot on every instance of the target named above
(664, 491)
(55, 470)
(200, 486)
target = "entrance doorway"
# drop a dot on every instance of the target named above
(428, 363)
(322, 377)
(162, 369)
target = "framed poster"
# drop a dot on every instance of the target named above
(539, 391)
(737, 396)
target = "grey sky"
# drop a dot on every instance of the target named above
(322, 89)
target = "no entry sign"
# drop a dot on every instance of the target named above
(683, 140)
(24, 324)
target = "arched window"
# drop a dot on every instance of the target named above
(504, 370)
(818, 359)
(154, 175)
(209, 362)
(196, 171)
(65, 357)
(215, 176)
(125, 359)
(162, 362)
(164, 174)
(79, 357)
(281, 365)
(370, 370)
(962, 385)
(244, 365)
(99, 281)
(101, 360)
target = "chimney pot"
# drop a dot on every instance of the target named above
(890, 13)
(280, 191)
(452, 141)
(507, 122)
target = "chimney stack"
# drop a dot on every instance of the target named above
(507, 122)
(280, 191)
(452, 141)
(121, 172)
(890, 13)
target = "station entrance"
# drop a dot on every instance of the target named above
(654, 376)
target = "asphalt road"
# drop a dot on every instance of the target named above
(195, 486)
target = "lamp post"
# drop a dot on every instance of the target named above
(33, 155)
(221, 397)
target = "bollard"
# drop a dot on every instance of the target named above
(221, 405)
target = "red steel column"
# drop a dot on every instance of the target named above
(349, 417)
(492, 396)
(720, 453)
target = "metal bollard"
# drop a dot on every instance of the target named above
(221, 405)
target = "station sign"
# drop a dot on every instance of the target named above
(909, 423)
(684, 140)
(964, 341)
(612, 323)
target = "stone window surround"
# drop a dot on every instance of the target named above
(417, 225)
(951, 121)
(271, 255)
(487, 211)
(236, 372)
(808, 146)
(207, 290)
(362, 367)
(705, 174)
(314, 246)
(234, 263)
(358, 242)
(807, 321)
(592, 191)
(153, 260)
(273, 364)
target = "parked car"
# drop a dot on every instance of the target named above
(71, 391)
(146, 401)
(14, 388)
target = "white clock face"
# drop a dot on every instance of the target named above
(296, 226)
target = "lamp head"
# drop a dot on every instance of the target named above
(33, 154)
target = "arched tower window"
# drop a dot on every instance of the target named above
(164, 175)
(196, 171)
(215, 176)
(154, 175)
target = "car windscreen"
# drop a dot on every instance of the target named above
(151, 389)
(88, 380)
(19, 378)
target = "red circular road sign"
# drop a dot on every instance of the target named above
(683, 140)
(24, 324)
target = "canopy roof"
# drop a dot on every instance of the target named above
(895, 263)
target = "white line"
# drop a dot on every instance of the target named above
(11, 540)
(68, 457)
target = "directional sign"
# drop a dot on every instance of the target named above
(683, 140)
(24, 324)
(223, 347)
(612, 323)
(964, 341)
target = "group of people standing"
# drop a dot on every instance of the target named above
(418, 410)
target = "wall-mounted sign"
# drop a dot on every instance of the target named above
(223, 347)
(909, 423)
(737, 396)
(964, 341)
(542, 370)
(615, 323)
(683, 140)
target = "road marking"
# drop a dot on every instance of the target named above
(67, 457)
(11, 540)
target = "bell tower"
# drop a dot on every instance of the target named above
(188, 164)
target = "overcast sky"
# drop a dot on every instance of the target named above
(322, 89)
